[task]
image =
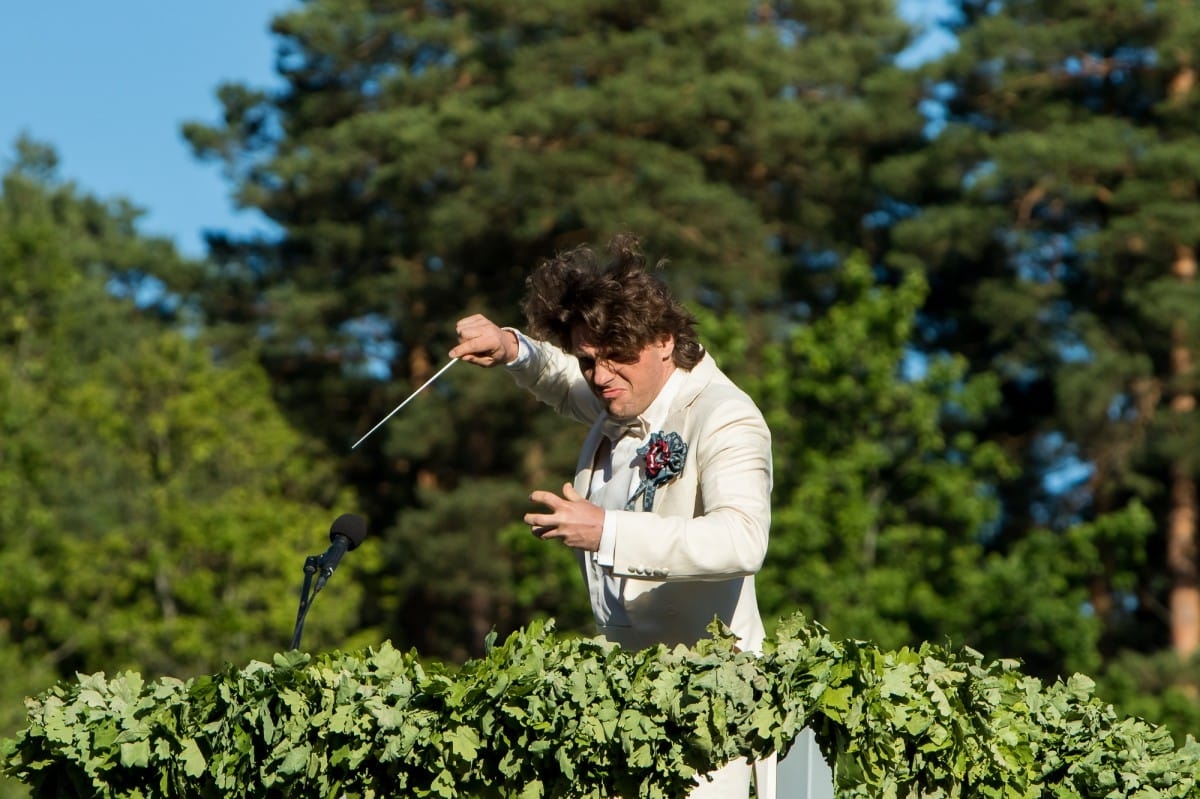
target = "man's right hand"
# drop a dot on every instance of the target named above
(484, 343)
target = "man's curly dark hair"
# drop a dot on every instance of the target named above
(621, 306)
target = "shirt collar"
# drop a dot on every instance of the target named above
(653, 417)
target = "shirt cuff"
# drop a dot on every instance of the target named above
(606, 555)
(524, 350)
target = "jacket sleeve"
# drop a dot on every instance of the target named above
(554, 378)
(714, 525)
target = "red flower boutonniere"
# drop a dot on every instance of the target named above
(664, 455)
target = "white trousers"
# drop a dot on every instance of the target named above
(732, 781)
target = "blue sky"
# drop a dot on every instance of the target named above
(108, 83)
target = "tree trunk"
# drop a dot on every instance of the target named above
(1184, 600)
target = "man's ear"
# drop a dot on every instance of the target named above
(667, 345)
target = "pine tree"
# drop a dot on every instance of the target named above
(420, 159)
(1058, 219)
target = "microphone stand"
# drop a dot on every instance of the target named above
(311, 565)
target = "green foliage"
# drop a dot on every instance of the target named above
(885, 495)
(421, 158)
(1054, 216)
(1160, 686)
(542, 715)
(155, 507)
(24, 676)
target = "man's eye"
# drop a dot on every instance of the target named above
(587, 364)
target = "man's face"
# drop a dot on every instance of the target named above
(626, 389)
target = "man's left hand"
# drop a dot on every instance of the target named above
(572, 519)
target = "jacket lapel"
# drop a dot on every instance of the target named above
(694, 382)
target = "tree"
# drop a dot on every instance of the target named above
(1058, 221)
(421, 157)
(885, 499)
(156, 508)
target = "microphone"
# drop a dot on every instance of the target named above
(346, 533)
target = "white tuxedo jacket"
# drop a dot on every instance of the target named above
(695, 554)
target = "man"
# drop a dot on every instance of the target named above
(670, 507)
